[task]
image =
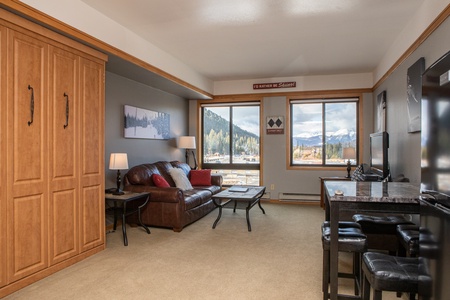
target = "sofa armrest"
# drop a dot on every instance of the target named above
(216, 179)
(168, 195)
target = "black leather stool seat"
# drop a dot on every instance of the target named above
(381, 231)
(351, 239)
(408, 235)
(385, 272)
(380, 224)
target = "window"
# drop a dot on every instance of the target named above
(231, 142)
(323, 132)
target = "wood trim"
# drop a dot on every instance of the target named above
(328, 95)
(428, 31)
(25, 25)
(228, 101)
(57, 25)
(39, 17)
(302, 94)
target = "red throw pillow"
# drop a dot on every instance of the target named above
(159, 181)
(201, 177)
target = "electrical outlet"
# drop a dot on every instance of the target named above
(272, 187)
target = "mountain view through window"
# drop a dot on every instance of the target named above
(322, 132)
(231, 143)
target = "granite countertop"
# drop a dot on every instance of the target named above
(370, 191)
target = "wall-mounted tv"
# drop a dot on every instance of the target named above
(379, 145)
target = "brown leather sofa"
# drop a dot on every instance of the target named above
(170, 207)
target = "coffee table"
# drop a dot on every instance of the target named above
(250, 194)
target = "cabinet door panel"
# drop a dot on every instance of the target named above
(27, 192)
(64, 154)
(28, 59)
(63, 225)
(3, 269)
(29, 243)
(63, 99)
(92, 102)
(92, 216)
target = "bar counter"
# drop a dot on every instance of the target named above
(343, 197)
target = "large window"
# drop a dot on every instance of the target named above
(230, 142)
(323, 132)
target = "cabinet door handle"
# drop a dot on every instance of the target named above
(31, 104)
(67, 110)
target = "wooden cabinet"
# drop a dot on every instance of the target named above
(51, 152)
(3, 261)
(26, 152)
(92, 154)
(64, 154)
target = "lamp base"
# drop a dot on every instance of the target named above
(118, 192)
(349, 167)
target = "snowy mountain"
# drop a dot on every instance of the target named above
(343, 136)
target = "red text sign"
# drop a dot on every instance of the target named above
(274, 85)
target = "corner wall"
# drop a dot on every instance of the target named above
(404, 147)
(121, 91)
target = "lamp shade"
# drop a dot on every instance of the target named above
(118, 161)
(186, 142)
(348, 153)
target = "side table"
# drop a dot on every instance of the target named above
(128, 197)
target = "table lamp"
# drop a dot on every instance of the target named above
(188, 143)
(118, 161)
(348, 153)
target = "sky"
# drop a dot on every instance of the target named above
(246, 117)
(307, 120)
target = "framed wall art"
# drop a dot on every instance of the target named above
(275, 125)
(414, 94)
(381, 112)
(140, 123)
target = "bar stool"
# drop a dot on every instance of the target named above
(408, 235)
(385, 272)
(381, 231)
(351, 239)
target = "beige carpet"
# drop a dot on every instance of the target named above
(280, 259)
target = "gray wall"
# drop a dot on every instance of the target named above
(274, 152)
(275, 160)
(121, 91)
(404, 151)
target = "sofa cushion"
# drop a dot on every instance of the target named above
(159, 181)
(201, 177)
(180, 178)
(214, 189)
(195, 197)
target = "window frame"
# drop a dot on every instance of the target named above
(323, 99)
(231, 165)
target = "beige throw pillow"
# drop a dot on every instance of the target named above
(180, 178)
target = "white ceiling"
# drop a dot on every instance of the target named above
(249, 39)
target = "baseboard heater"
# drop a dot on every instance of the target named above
(299, 197)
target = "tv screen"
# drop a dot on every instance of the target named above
(379, 144)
